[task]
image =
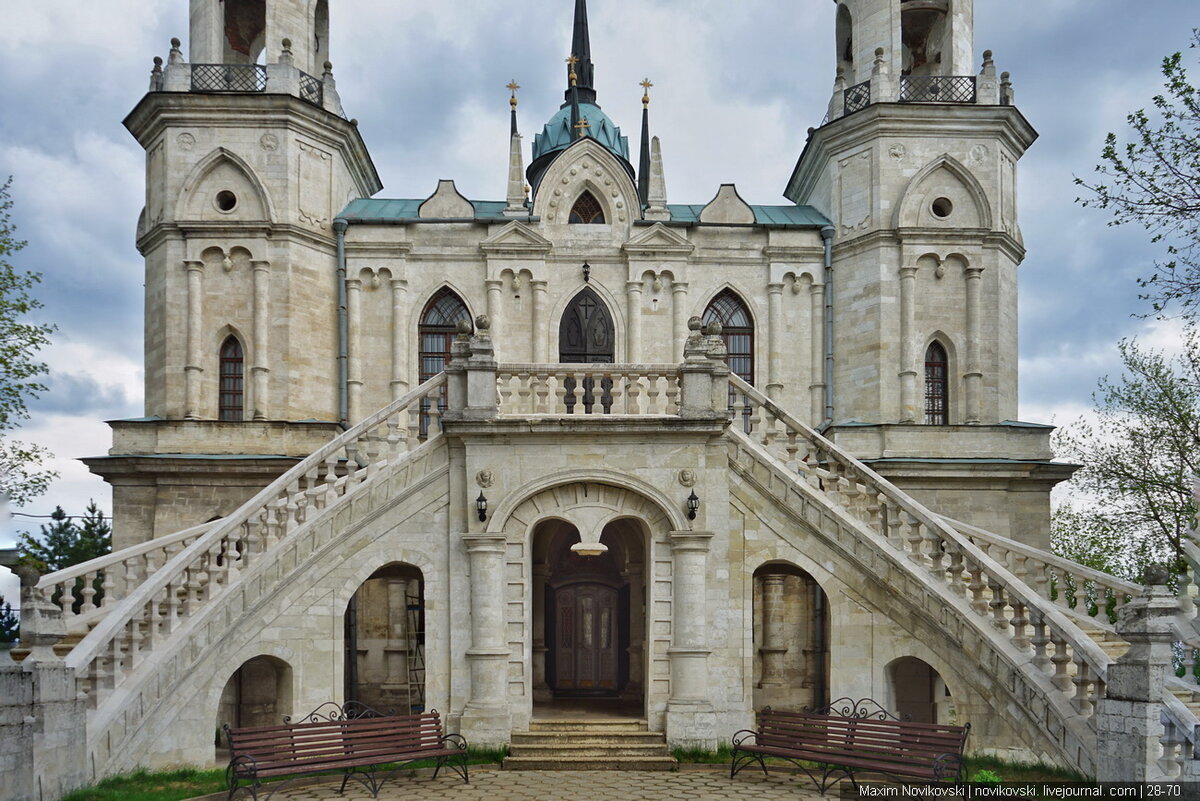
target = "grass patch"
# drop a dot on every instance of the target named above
(175, 785)
(699, 756)
(1010, 771)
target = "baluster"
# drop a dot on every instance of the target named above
(109, 587)
(373, 454)
(414, 425)
(792, 447)
(88, 592)
(1060, 660)
(560, 394)
(525, 392)
(154, 626)
(435, 413)
(1189, 664)
(136, 635)
(252, 541)
(956, 569)
(977, 586)
(633, 395)
(915, 538)
(1041, 580)
(1081, 593)
(328, 483)
(937, 553)
(1082, 701)
(312, 486)
(672, 380)
(770, 429)
(396, 437)
(1039, 640)
(171, 616)
(615, 392)
(1020, 619)
(275, 516)
(541, 391)
(893, 521)
(505, 392)
(998, 604)
(1172, 740)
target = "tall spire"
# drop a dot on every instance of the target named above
(581, 47)
(513, 86)
(643, 173)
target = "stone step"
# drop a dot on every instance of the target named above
(574, 752)
(589, 725)
(585, 738)
(608, 763)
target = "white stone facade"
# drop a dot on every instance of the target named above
(745, 560)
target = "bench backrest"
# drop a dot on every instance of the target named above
(888, 741)
(361, 737)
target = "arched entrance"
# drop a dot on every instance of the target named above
(385, 641)
(586, 336)
(259, 693)
(589, 620)
(919, 693)
(791, 638)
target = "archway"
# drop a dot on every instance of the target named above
(589, 627)
(919, 693)
(259, 693)
(385, 641)
(791, 639)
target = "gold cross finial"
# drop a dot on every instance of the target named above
(572, 60)
(645, 84)
(582, 127)
(513, 86)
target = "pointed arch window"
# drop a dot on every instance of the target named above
(231, 398)
(439, 324)
(937, 379)
(737, 331)
(587, 210)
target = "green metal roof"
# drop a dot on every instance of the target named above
(405, 210)
(557, 134)
(802, 216)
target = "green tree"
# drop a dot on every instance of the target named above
(21, 473)
(64, 543)
(1154, 180)
(1137, 460)
(9, 623)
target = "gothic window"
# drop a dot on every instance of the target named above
(937, 396)
(439, 323)
(737, 331)
(587, 210)
(231, 400)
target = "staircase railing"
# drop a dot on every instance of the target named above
(1082, 590)
(1061, 654)
(632, 390)
(196, 575)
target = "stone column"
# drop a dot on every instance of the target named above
(195, 332)
(678, 317)
(774, 645)
(908, 358)
(690, 719)
(354, 346)
(541, 689)
(974, 373)
(494, 285)
(774, 340)
(633, 351)
(1129, 727)
(635, 576)
(261, 369)
(399, 338)
(486, 719)
(540, 340)
(816, 294)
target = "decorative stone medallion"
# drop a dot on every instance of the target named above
(268, 142)
(185, 141)
(485, 479)
(687, 477)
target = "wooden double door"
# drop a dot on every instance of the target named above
(588, 634)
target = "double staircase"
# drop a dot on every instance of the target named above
(589, 744)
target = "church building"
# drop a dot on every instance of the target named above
(576, 448)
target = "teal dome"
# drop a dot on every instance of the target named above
(557, 133)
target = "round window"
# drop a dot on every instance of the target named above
(942, 208)
(226, 201)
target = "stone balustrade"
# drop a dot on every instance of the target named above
(1053, 658)
(1072, 586)
(190, 580)
(631, 390)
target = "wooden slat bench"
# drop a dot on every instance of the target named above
(852, 737)
(355, 740)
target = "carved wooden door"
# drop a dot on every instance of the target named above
(586, 336)
(585, 641)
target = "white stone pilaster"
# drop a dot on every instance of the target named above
(908, 357)
(260, 371)
(974, 373)
(679, 317)
(774, 644)
(633, 291)
(354, 347)
(494, 306)
(399, 338)
(486, 719)
(195, 332)
(690, 718)
(774, 340)
(540, 339)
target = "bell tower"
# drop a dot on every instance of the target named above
(916, 166)
(249, 159)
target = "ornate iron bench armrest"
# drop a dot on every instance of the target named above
(454, 741)
(947, 766)
(241, 766)
(744, 735)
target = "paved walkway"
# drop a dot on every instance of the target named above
(583, 785)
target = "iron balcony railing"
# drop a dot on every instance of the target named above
(936, 89)
(229, 78)
(312, 89)
(857, 97)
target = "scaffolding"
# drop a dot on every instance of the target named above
(415, 608)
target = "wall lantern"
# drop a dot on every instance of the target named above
(693, 504)
(587, 273)
(481, 506)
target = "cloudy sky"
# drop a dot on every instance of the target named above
(737, 84)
